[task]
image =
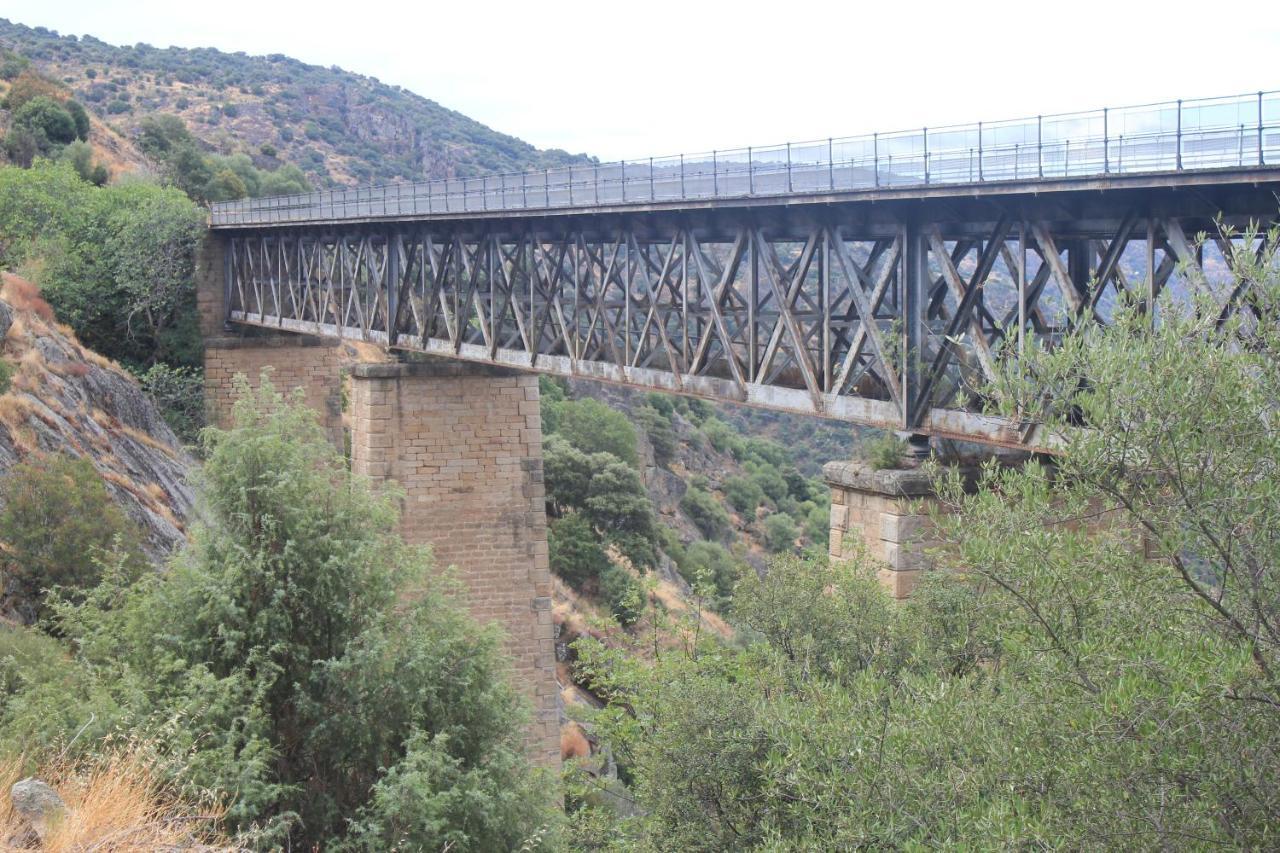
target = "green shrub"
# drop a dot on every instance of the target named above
(769, 480)
(885, 452)
(780, 532)
(623, 594)
(47, 120)
(310, 666)
(179, 394)
(743, 494)
(724, 438)
(710, 564)
(662, 435)
(575, 552)
(57, 522)
(6, 375)
(705, 512)
(80, 117)
(593, 427)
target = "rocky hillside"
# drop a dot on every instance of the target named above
(339, 127)
(63, 398)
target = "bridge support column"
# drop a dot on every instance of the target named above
(297, 361)
(884, 515)
(464, 443)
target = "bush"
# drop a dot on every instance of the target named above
(662, 435)
(80, 117)
(710, 564)
(179, 394)
(769, 480)
(743, 494)
(310, 664)
(780, 532)
(575, 552)
(58, 521)
(705, 512)
(47, 120)
(593, 427)
(885, 452)
(623, 594)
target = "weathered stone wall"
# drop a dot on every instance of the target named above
(296, 361)
(210, 285)
(464, 443)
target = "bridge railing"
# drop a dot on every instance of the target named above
(1209, 133)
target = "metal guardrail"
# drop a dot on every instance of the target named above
(1209, 133)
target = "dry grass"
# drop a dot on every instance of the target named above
(25, 296)
(117, 802)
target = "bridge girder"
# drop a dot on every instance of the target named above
(892, 315)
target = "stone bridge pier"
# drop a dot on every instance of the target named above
(463, 444)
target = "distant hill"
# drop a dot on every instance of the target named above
(338, 126)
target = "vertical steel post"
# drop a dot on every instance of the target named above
(1039, 147)
(595, 182)
(875, 156)
(1106, 143)
(788, 167)
(622, 165)
(524, 189)
(571, 185)
(682, 193)
(751, 172)
(831, 164)
(651, 195)
(1179, 135)
(1261, 160)
(393, 289)
(1022, 290)
(228, 290)
(925, 136)
(546, 186)
(981, 174)
(914, 271)
(715, 176)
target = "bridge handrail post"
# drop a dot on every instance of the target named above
(1261, 160)
(1040, 146)
(788, 167)
(504, 190)
(622, 167)
(652, 197)
(831, 166)
(595, 182)
(925, 136)
(571, 185)
(875, 156)
(484, 192)
(1106, 142)
(524, 189)
(1178, 136)
(682, 193)
(981, 174)
(546, 186)
(751, 172)
(715, 177)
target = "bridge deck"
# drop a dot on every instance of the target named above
(892, 305)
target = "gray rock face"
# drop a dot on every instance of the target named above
(64, 399)
(38, 802)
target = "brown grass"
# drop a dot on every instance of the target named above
(24, 296)
(117, 802)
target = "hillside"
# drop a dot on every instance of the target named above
(338, 126)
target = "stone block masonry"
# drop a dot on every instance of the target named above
(464, 443)
(885, 515)
(296, 361)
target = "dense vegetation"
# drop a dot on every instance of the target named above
(1101, 669)
(333, 124)
(297, 660)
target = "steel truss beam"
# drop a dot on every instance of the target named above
(896, 329)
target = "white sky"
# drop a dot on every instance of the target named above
(660, 77)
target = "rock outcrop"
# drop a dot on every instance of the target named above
(63, 398)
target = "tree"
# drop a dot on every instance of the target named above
(705, 512)
(575, 552)
(315, 669)
(593, 427)
(780, 532)
(46, 120)
(81, 119)
(57, 523)
(744, 494)
(1097, 668)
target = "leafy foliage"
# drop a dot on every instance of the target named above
(575, 551)
(116, 263)
(57, 521)
(1098, 670)
(308, 663)
(705, 512)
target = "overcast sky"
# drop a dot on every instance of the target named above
(661, 77)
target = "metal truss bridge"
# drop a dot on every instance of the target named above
(878, 280)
